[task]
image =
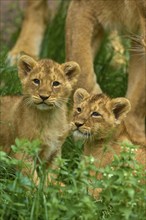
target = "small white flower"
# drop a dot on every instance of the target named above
(110, 175)
(92, 159)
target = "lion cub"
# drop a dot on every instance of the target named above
(99, 121)
(41, 112)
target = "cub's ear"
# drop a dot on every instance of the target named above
(72, 71)
(25, 65)
(79, 95)
(120, 107)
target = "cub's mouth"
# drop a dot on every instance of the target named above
(80, 134)
(44, 106)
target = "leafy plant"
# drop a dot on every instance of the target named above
(123, 186)
(66, 196)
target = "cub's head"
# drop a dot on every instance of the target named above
(45, 83)
(97, 116)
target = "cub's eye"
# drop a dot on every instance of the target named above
(95, 114)
(36, 81)
(78, 109)
(56, 83)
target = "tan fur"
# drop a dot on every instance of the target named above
(84, 34)
(100, 122)
(41, 112)
(85, 31)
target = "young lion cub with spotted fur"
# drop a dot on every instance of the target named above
(41, 112)
(99, 120)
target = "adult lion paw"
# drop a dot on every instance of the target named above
(12, 58)
(14, 55)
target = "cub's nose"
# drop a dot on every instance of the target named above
(78, 124)
(44, 97)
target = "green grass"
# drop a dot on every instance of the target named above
(123, 197)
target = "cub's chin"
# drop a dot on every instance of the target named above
(44, 107)
(78, 135)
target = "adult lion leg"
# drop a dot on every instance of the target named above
(80, 42)
(136, 93)
(32, 31)
(137, 82)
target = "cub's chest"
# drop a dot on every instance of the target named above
(54, 129)
(50, 129)
(52, 138)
